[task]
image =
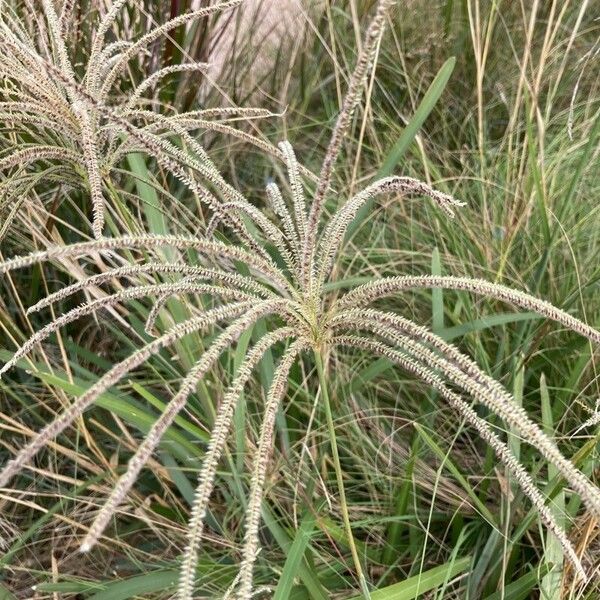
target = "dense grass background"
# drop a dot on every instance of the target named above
(515, 134)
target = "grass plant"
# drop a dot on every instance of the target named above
(246, 327)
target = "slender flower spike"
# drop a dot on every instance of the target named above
(279, 269)
(58, 113)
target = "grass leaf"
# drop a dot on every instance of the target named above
(295, 556)
(424, 582)
(430, 99)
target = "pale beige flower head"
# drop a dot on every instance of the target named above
(60, 136)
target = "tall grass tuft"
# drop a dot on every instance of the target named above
(276, 266)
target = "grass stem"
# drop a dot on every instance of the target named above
(338, 474)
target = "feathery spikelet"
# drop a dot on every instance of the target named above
(351, 100)
(464, 373)
(213, 454)
(369, 292)
(261, 462)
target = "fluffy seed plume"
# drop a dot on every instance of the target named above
(63, 106)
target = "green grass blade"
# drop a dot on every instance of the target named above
(437, 295)
(5, 594)
(136, 587)
(239, 415)
(306, 573)
(584, 160)
(451, 333)
(402, 495)
(430, 99)
(551, 584)
(157, 221)
(66, 587)
(193, 430)
(522, 588)
(487, 558)
(295, 556)
(130, 412)
(536, 174)
(419, 584)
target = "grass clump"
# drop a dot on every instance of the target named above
(274, 276)
(82, 143)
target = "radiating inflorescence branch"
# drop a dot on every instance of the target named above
(261, 462)
(167, 416)
(213, 454)
(501, 449)
(351, 100)
(120, 370)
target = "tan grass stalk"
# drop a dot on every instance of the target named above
(172, 158)
(110, 50)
